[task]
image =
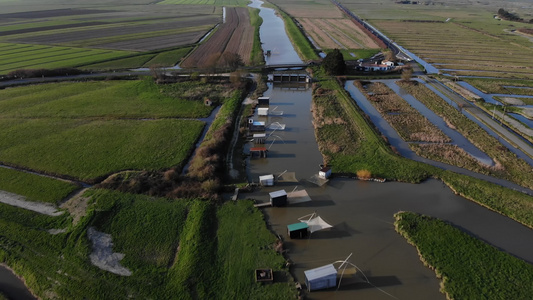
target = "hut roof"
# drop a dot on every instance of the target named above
(320, 272)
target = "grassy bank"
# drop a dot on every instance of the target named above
(35, 187)
(256, 57)
(507, 165)
(190, 248)
(469, 268)
(301, 43)
(511, 203)
(349, 142)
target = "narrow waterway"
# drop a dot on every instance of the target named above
(12, 287)
(457, 138)
(274, 37)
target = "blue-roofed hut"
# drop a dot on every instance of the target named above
(321, 278)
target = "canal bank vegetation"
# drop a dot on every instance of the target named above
(468, 267)
(507, 165)
(410, 124)
(349, 142)
(191, 248)
(350, 145)
(301, 44)
(511, 203)
(256, 57)
(502, 86)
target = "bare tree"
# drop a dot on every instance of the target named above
(407, 72)
(232, 60)
(211, 63)
(158, 72)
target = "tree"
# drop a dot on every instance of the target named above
(211, 62)
(333, 63)
(232, 60)
(407, 72)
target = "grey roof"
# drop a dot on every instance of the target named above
(320, 272)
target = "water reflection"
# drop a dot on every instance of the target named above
(274, 37)
(12, 287)
(362, 215)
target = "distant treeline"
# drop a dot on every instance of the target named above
(32, 73)
(509, 16)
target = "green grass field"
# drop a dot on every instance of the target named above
(468, 267)
(86, 150)
(92, 129)
(100, 99)
(22, 56)
(34, 187)
(170, 247)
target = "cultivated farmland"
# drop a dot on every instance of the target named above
(337, 33)
(234, 36)
(459, 38)
(23, 56)
(54, 37)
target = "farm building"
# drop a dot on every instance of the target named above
(278, 198)
(298, 230)
(374, 67)
(321, 278)
(266, 180)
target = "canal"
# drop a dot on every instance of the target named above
(362, 213)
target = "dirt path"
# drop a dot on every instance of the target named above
(20, 201)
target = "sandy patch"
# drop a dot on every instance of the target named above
(512, 101)
(20, 201)
(103, 256)
(76, 206)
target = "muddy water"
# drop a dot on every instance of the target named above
(274, 38)
(362, 215)
(12, 286)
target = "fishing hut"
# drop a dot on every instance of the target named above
(298, 230)
(278, 198)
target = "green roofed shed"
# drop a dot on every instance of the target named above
(298, 230)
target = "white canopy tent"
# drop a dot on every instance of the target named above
(315, 222)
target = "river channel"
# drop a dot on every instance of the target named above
(362, 214)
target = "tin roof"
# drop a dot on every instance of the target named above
(279, 193)
(324, 271)
(297, 226)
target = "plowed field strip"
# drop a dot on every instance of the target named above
(317, 34)
(157, 42)
(235, 36)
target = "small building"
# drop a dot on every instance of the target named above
(321, 278)
(266, 180)
(263, 100)
(260, 151)
(278, 198)
(256, 126)
(298, 230)
(324, 173)
(259, 138)
(208, 102)
(262, 111)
